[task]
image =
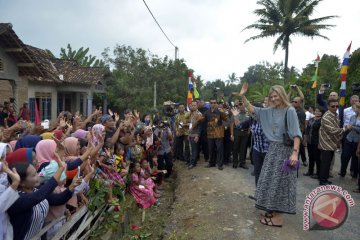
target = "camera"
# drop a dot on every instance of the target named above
(327, 85)
(355, 87)
(164, 124)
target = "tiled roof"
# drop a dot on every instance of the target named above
(72, 72)
(38, 65)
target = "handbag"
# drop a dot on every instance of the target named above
(287, 140)
(286, 167)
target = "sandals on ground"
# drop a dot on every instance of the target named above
(268, 222)
(267, 215)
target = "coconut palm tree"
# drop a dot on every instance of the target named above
(285, 18)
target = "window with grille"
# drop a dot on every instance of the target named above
(43, 102)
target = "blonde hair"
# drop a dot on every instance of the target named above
(282, 94)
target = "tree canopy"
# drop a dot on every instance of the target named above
(286, 18)
(134, 74)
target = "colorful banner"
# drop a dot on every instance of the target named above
(37, 115)
(315, 77)
(343, 75)
(190, 88)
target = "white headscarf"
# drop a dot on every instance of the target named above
(3, 149)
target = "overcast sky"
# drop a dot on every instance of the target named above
(207, 32)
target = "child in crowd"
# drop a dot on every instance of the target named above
(121, 165)
(108, 165)
(146, 173)
(143, 194)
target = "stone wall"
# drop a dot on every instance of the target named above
(6, 91)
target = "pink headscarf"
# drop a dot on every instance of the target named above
(71, 148)
(96, 131)
(81, 134)
(45, 151)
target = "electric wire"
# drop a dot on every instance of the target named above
(159, 24)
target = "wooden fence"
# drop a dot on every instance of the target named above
(79, 226)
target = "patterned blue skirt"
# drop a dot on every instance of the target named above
(276, 189)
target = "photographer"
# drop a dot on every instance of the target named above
(320, 97)
(299, 93)
(164, 134)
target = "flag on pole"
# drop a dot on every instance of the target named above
(343, 75)
(315, 77)
(37, 115)
(196, 93)
(190, 88)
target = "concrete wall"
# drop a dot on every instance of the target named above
(10, 68)
(9, 74)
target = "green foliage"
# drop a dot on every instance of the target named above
(328, 73)
(353, 71)
(134, 75)
(81, 56)
(285, 18)
(96, 195)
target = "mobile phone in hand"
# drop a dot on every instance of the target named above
(78, 173)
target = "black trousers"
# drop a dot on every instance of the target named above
(179, 150)
(194, 151)
(165, 161)
(241, 138)
(227, 146)
(203, 145)
(216, 149)
(349, 151)
(302, 152)
(314, 158)
(258, 159)
(325, 161)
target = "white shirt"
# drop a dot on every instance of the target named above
(309, 115)
(7, 197)
(348, 113)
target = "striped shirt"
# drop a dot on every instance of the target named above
(39, 214)
(260, 144)
(330, 133)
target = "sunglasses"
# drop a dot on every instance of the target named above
(334, 106)
(294, 101)
(213, 102)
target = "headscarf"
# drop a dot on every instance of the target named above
(71, 148)
(28, 141)
(58, 134)
(47, 135)
(96, 131)
(45, 151)
(49, 171)
(81, 134)
(104, 118)
(20, 155)
(3, 149)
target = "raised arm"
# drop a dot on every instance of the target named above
(246, 103)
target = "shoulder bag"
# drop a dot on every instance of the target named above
(287, 140)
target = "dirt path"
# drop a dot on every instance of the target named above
(214, 204)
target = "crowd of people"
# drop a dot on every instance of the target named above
(276, 132)
(46, 173)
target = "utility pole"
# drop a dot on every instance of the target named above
(155, 94)
(176, 53)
